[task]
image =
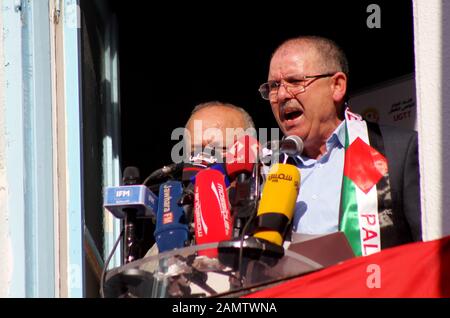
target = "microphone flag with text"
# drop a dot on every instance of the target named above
(131, 195)
(277, 204)
(212, 218)
(171, 230)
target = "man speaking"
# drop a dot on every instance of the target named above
(357, 177)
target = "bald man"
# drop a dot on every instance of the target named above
(212, 124)
(216, 124)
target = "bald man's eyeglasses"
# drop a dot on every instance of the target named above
(293, 85)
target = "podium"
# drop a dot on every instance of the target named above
(182, 273)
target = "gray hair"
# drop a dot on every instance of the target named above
(332, 56)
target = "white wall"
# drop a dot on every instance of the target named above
(432, 60)
(5, 268)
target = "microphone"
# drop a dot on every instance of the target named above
(275, 212)
(164, 172)
(212, 217)
(277, 204)
(240, 166)
(289, 146)
(171, 229)
(198, 161)
(131, 195)
(131, 176)
(132, 249)
(117, 200)
(242, 156)
(190, 170)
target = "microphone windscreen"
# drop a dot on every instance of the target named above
(292, 145)
(131, 176)
(277, 204)
(212, 217)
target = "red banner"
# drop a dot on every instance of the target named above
(414, 270)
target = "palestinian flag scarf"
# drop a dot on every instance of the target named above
(364, 167)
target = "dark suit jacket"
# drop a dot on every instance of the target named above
(399, 146)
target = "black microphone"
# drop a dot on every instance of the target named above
(131, 176)
(132, 248)
(164, 173)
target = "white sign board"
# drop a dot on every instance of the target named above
(392, 103)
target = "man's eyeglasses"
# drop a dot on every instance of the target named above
(293, 85)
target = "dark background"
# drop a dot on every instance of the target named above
(174, 56)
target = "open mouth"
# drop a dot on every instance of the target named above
(292, 114)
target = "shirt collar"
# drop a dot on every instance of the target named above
(337, 139)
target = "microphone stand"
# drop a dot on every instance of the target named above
(132, 248)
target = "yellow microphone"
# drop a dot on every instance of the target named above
(277, 203)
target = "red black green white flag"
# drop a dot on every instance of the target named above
(364, 166)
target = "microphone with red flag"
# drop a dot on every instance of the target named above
(274, 214)
(271, 223)
(212, 218)
(242, 166)
(242, 156)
